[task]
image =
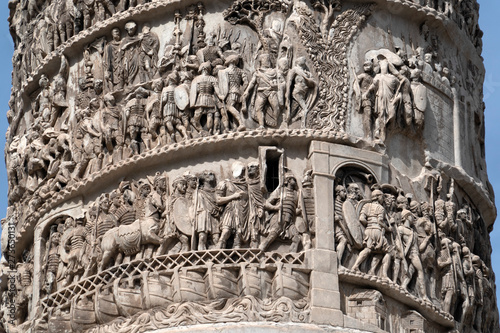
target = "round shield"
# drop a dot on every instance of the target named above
(181, 96)
(181, 216)
(352, 221)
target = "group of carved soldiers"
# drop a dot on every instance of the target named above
(143, 102)
(146, 218)
(428, 246)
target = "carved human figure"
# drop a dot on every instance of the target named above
(465, 227)
(104, 9)
(366, 100)
(84, 14)
(411, 253)
(445, 265)
(299, 86)
(87, 141)
(394, 209)
(403, 101)
(73, 241)
(122, 206)
(154, 112)
(207, 212)
(204, 91)
(192, 185)
(420, 98)
(384, 85)
(351, 217)
(342, 235)
(105, 220)
(479, 288)
(148, 56)
(211, 53)
(233, 82)
(141, 204)
(305, 223)
(130, 48)
(52, 260)
(179, 186)
(425, 239)
(283, 204)
(373, 216)
(113, 62)
(24, 286)
(468, 311)
(232, 194)
(175, 120)
(273, 37)
(135, 110)
(427, 65)
(265, 83)
(44, 104)
(256, 203)
(156, 201)
(112, 125)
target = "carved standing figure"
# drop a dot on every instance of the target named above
(130, 48)
(373, 216)
(342, 235)
(412, 253)
(74, 240)
(284, 205)
(148, 56)
(52, 260)
(233, 195)
(265, 83)
(256, 202)
(206, 211)
(447, 271)
(365, 101)
(113, 62)
(135, 115)
(233, 82)
(204, 91)
(174, 118)
(299, 87)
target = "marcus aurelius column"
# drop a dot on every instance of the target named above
(247, 166)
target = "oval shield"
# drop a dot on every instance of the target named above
(352, 222)
(181, 96)
(181, 216)
(420, 96)
(223, 82)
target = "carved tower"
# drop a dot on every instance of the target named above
(244, 166)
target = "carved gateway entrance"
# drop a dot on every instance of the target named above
(247, 165)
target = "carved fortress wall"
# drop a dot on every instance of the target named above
(247, 166)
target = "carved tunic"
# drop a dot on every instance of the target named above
(256, 201)
(374, 215)
(206, 91)
(235, 215)
(207, 212)
(114, 65)
(136, 109)
(170, 110)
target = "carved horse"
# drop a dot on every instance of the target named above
(129, 239)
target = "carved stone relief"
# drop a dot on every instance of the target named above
(422, 246)
(127, 104)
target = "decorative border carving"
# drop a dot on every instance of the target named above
(243, 309)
